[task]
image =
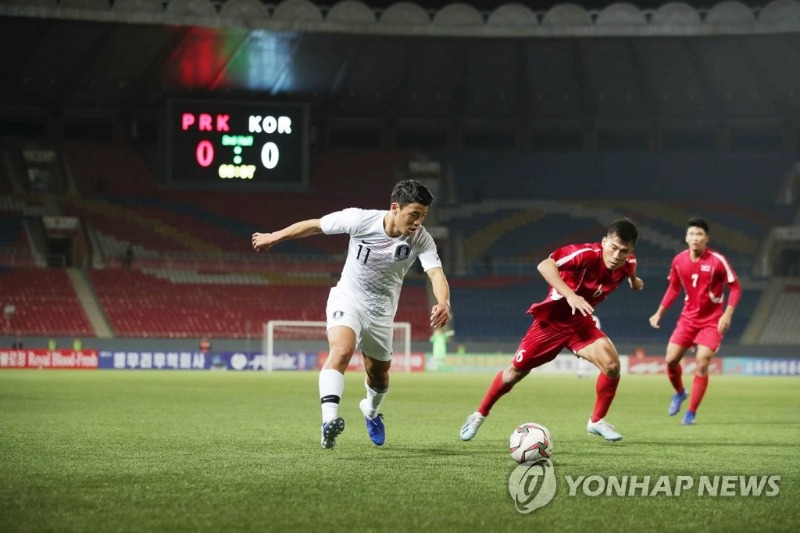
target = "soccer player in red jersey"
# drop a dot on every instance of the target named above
(580, 277)
(703, 273)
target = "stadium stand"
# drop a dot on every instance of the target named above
(189, 303)
(505, 234)
(141, 304)
(122, 200)
(783, 325)
(14, 247)
(45, 302)
(12, 234)
(192, 252)
(494, 111)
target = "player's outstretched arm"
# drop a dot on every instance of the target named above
(304, 228)
(673, 289)
(734, 295)
(440, 313)
(549, 271)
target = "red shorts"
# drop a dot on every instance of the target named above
(688, 333)
(543, 342)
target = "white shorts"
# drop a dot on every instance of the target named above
(373, 338)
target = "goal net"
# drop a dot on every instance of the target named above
(284, 337)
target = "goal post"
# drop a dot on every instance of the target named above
(285, 336)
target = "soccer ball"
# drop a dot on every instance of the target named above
(530, 442)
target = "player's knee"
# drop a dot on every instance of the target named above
(336, 362)
(342, 350)
(611, 368)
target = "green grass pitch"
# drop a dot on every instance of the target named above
(224, 451)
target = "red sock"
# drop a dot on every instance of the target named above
(675, 375)
(699, 386)
(606, 389)
(496, 390)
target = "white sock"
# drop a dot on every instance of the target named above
(374, 400)
(331, 387)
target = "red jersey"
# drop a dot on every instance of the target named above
(704, 283)
(582, 268)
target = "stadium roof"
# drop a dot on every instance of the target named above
(542, 62)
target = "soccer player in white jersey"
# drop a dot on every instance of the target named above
(703, 274)
(361, 307)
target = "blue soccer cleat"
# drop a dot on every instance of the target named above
(688, 418)
(675, 403)
(375, 428)
(330, 430)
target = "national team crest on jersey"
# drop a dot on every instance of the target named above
(402, 252)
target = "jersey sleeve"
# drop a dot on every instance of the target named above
(735, 292)
(630, 266)
(341, 221)
(572, 257)
(734, 287)
(428, 256)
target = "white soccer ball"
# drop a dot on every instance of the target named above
(530, 442)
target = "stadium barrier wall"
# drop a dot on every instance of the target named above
(478, 362)
(398, 361)
(174, 360)
(652, 364)
(739, 366)
(565, 363)
(41, 359)
(182, 360)
(751, 366)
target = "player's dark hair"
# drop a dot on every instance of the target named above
(696, 222)
(625, 229)
(411, 191)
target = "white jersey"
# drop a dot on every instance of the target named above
(376, 263)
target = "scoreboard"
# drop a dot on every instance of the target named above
(219, 144)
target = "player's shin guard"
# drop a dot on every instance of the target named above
(331, 388)
(606, 389)
(699, 386)
(675, 375)
(496, 390)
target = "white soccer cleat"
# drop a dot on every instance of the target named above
(471, 426)
(604, 429)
